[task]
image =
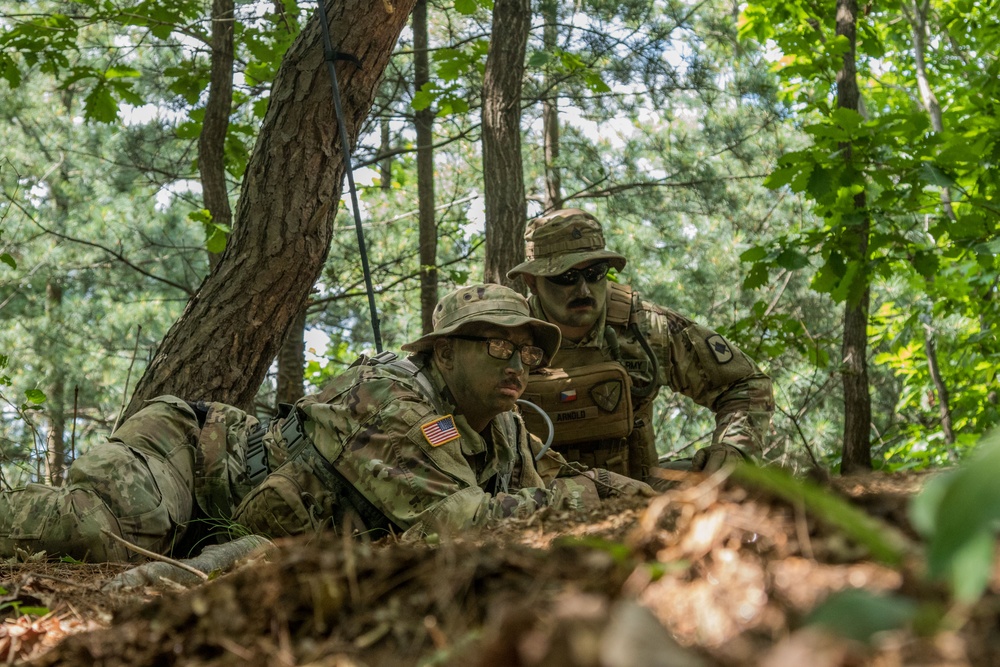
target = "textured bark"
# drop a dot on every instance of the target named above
(385, 164)
(424, 122)
(212, 141)
(550, 113)
(856, 454)
(503, 176)
(224, 342)
(55, 393)
(292, 361)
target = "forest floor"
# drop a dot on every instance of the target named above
(710, 573)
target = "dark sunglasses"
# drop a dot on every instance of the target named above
(503, 349)
(592, 274)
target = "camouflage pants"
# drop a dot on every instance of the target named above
(139, 486)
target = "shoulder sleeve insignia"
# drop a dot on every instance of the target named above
(720, 348)
(440, 431)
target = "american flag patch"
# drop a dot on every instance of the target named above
(440, 431)
(567, 396)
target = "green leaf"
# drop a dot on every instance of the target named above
(539, 59)
(858, 614)
(935, 176)
(100, 105)
(216, 241)
(35, 396)
(424, 97)
(34, 611)
(820, 182)
(8, 260)
(466, 7)
(121, 72)
(754, 254)
(964, 522)
(792, 259)
(756, 277)
(926, 263)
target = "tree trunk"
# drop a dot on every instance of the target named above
(55, 392)
(503, 176)
(222, 345)
(385, 164)
(856, 454)
(550, 112)
(424, 121)
(212, 141)
(292, 361)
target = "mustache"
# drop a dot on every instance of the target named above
(512, 383)
(583, 301)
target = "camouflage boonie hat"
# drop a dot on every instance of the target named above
(486, 304)
(557, 242)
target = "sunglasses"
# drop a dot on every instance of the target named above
(592, 274)
(503, 349)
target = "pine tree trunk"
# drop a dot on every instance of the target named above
(292, 361)
(856, 455)
(424, 121)
(503, 176)
(55, 393)
(227, 337)
(550, 112)
(212, 141)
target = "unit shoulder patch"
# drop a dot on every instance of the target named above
(720, 349)
(440, 431)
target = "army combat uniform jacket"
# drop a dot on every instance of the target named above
(385, 445)
(601, 395)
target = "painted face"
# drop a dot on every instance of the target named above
(575, 299)
(484, 386)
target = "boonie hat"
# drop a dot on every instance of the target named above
(486, 304)
(557, 242)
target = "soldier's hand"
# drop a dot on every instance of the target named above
(611, 484)
(576, 493)
(713, 457)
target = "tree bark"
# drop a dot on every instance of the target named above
(385, 164)
(503, 175)
(550, 112)
(856, 455)
(212, 141)
(223, 343)
(424, 121)
(55, 392)
(292, 361)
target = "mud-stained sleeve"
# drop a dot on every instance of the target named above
(701, 364)
(416, 484)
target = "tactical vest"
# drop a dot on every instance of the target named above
(600, 400)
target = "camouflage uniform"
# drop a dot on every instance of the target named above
(168, 465)
(373, 454)
(176, 471)
(690, 359)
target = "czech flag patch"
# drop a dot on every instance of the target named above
(567, 396)
(440, 431)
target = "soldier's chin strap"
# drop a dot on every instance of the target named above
(548, 423)
(330, 56)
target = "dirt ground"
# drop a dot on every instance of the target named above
(707, 574)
